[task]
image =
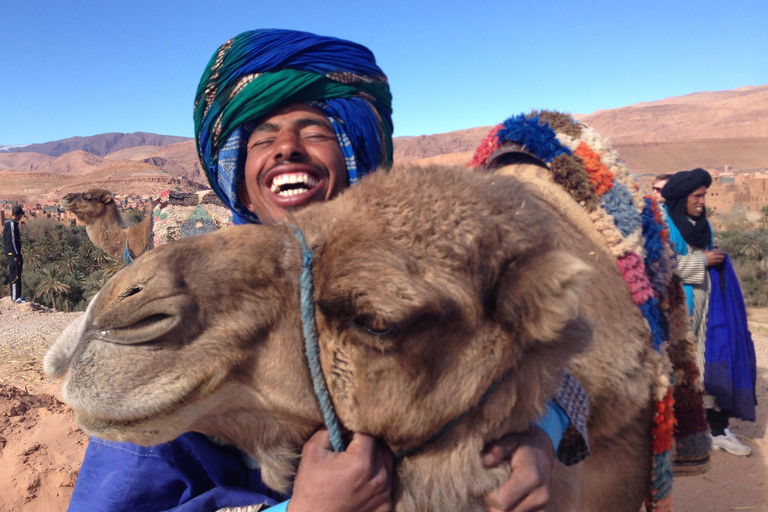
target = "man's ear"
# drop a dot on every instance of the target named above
(245, 198)
(539, 296)
(106, 198)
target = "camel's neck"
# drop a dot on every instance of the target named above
(108, 233)
(139, 236)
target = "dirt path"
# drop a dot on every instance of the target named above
(41, 448)
(736, 483)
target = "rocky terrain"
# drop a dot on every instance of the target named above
(41, 448)
(99, 145)
(707, 129)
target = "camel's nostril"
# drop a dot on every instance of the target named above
(152, 328)
(131, 290)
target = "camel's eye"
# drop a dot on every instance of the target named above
(373, 326)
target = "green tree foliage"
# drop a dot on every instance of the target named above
(748, 250)
(62, 268)
(51, 284)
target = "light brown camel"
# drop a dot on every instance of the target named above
(430, 288)
(97, 209)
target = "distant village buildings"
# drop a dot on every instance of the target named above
(737, 189)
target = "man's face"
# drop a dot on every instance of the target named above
(293, 160)
(17, 217)
(657, 190)
(696, 204)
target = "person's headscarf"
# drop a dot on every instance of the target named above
(261, 70)
(694, 230)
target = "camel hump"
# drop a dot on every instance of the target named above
(577, 172)
(178, 215)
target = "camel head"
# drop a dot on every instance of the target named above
(90, 205)
(432, 288)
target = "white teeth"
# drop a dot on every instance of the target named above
(292, 179)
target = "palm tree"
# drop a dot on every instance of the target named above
(69, 259)
(50, 284)
(32, 257)
(753, 245)
(112, 266)
(44, 247)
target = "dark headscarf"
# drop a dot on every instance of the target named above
(261, 70)
(695, 230)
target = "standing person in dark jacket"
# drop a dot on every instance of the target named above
(12, 246)
(690, 232)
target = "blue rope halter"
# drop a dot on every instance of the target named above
(312, 347)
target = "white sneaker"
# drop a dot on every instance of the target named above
(730, 443)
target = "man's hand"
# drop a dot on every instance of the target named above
(533, 458)
(356, 480)
(714, 257)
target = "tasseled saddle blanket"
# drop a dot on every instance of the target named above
(578, 164)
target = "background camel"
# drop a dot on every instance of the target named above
(431, 288)
(97, 209)
(175, 215)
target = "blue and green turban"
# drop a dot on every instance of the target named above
(261, 70)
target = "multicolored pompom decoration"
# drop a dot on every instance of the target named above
(631, 223)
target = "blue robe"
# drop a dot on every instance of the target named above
(730, 368)
(188, 474)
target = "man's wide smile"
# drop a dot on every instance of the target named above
(290, 184)
(294, 185)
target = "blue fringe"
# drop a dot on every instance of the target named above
(654, 245)
(540, 140)
(618, 203)
(662, 475)
(650, 311)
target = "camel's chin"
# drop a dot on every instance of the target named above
(159, 422)
(147, 431)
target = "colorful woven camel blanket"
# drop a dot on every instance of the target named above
(617, 215)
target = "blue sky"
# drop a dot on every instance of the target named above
(85, 67)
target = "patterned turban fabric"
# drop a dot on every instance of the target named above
(261, 70)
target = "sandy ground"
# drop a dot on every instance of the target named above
(41, 448)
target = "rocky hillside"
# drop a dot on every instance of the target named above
(735, 114)
(708, 129)
(99, 145)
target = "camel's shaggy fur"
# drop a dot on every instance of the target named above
(97, 209)
(463, 276)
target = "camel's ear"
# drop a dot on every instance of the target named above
(106, 198)
(539, 296)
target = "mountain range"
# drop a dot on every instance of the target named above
(705, 129)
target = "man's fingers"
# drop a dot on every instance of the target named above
(318, 445)
(534, 502)
(362, 444)
(524, 492)
(501, 450)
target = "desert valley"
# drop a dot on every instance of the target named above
(723, 130)
(41, 448)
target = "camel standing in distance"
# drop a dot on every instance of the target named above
(444, 301)
(97, 209)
